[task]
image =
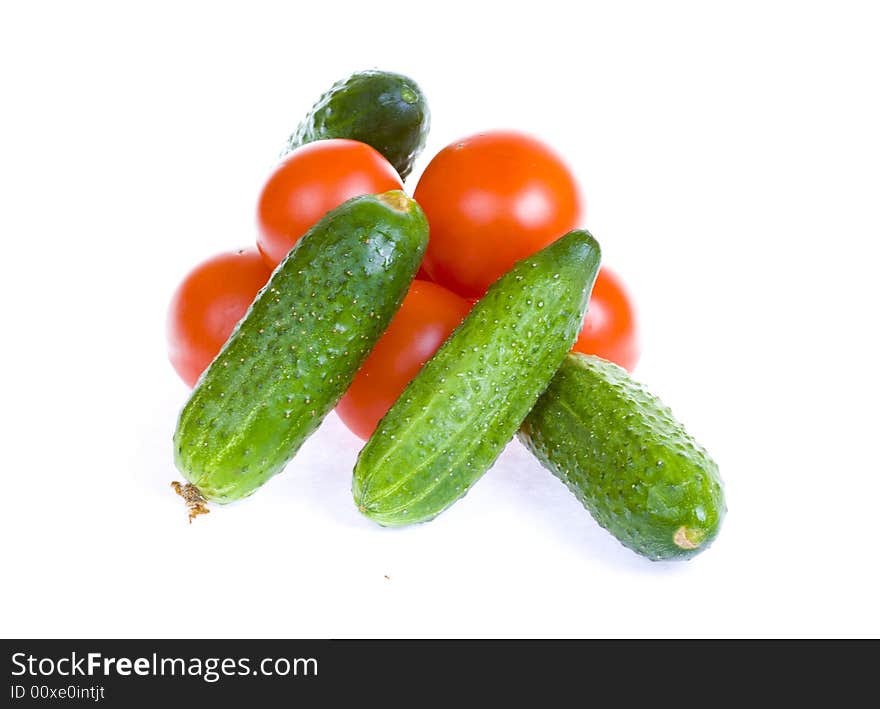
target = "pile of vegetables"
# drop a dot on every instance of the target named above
(438, 326)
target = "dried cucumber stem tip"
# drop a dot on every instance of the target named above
(396, 200)
(685, 538)
(195, 501)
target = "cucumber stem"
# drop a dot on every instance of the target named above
(396, 199)
(192, 496)
(686, 538)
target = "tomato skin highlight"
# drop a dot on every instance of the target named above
(208, 304)
(428, 316)
(610, 327)
(491, 199)
(310, 182)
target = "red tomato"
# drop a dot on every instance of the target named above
(610, 329)
(310, 182)
(491, 200)
(427, 317)
(207, 305)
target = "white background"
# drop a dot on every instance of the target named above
(729, 155)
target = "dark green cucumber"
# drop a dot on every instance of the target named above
(455, 417)
(627, 459)
(297, 349)
(385, 110)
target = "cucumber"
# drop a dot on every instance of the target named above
(297, 348)
(626, 458)
(387, 111)
(455, 417)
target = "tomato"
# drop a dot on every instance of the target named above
(428, 316)
(610, 329)
(310, 182)
(492, 199)
(207, 305)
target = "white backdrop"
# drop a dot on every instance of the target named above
(729, 155)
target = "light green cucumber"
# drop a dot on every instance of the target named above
(455, 417)
(627, 459)
(297, 349)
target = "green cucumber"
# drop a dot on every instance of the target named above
(627, 459)
(455, 417)
(296, 350)
(387, 111)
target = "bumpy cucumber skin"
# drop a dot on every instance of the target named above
(455, 417)
(627, 459)
(385, 110)
(297, 349)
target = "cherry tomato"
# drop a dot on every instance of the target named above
(207, 305)
(610, 329)
(428, 316)
(310, 182)
(492, 199)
